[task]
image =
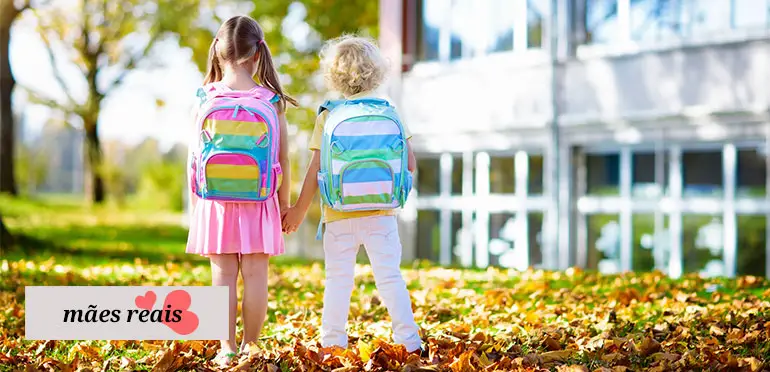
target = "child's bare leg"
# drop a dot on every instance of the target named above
(254, 268)
(224, 272)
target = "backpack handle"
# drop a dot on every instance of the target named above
(218, 89)
(373, 101)
(331, 104)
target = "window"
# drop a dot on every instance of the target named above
(752, 238)
(603, 243)
(500, 26)
(459, 233)
(707, 16)
(537, 10)
(463, 20)
(660, 20)
(535, 227)
(655, 20)
(751, 173)
(601, 21)
(457, 175)
(428, 235)
(535, 175)
(457, 29)
(502, 178)
(702, 245)
(503, 233)
(434, 14)
(603, 173)
(651, 242)
(650, 177)
(702, 173)
(428, 176)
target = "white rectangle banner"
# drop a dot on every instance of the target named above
(126, 313)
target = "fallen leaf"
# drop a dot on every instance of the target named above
(556, 356)
(165, 362)
(649, 346)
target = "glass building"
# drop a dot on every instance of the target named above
(607, 134)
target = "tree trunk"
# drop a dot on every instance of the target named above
(7, 136)
(6, 239)
(94, 151)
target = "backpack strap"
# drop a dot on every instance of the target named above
(330, 105)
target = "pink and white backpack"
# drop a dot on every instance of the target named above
(237, 157)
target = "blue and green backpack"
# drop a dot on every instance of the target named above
(364, 157)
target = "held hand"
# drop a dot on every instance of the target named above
(292, 219)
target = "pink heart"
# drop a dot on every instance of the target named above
(180, 300)
(146, 301)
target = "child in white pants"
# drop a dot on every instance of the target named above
(355, 67)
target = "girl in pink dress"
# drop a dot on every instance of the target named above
(242, 236)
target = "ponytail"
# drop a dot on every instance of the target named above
(215, 70)
(268, 76)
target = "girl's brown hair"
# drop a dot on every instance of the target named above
(239, 39)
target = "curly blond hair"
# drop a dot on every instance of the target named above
(353, 64)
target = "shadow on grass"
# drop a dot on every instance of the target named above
(104, 244)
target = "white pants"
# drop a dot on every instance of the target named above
(379, 235)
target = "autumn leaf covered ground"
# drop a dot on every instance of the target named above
(474, 320)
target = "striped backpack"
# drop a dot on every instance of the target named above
(364, 156)
(237, 154)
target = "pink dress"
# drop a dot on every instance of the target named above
(226, 227)
(218, 227)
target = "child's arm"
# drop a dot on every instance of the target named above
(284, 191)
(412, 165)
(296, 214)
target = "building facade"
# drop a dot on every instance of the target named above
(606, 134)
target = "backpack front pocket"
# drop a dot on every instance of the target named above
(367, 184)
(232, 176)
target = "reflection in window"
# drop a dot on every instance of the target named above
(428, 176)
(751, 173)
(601, 21)
(644, 184)
(603, 243)
(535, 178)
(651, 247)
(702, 173)
(537, 10)
(502, 179)
(458, 234)
(464, 25)
(535, 227)
(603, 174)
(655, 20)
(500, 25)
(503, 233)
(428, 235)
(457, 175)
(702, 245)
(752, 237)
(434, 14)
(707, 16)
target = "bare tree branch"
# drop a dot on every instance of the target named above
(40, 99)
(56, 72)
(131, 64)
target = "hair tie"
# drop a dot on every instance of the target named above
(261, 42)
